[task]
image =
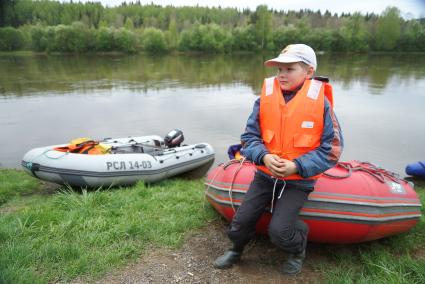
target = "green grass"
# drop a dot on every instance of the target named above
(70, 234)
(14, 183)
(397, 259)
(62, 236)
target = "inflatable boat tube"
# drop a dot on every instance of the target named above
(353, 202)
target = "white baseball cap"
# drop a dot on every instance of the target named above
(294, 53)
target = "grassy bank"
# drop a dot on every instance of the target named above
(15, 183)
(65, 235)
(68, 234)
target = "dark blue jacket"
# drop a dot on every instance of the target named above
(309, 164)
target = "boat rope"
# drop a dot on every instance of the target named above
(376, 172)
(44, 153)
(224, 167)
(231, 162)
(211, 182)
(54, 158)
(33, 167)
(241, 162)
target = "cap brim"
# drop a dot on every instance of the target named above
(281, 59)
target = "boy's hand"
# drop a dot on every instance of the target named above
(290, 168)
(279, 167)
(273, 163)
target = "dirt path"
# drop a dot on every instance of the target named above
(193, 263)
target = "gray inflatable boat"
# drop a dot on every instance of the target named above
(130, 159)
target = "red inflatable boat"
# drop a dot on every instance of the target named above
(352, 202)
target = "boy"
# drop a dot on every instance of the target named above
(292, 136)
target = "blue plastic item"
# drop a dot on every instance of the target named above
(416, 169)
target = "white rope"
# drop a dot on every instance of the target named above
(283, 188)
(211, 182)
(274, 191)
(233, 180)
(53, 158)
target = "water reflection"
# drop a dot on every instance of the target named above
(27, 75)
(38, 74)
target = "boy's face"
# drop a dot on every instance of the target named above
(292, 75)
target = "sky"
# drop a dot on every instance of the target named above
(409, 8)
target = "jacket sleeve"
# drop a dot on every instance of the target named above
(328, 153)
(253, 145)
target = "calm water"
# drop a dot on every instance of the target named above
(45, 100)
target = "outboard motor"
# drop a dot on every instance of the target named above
(174, 138)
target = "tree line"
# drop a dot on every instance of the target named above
(50, 26)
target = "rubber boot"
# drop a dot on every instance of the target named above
(294, 263)
(227, 260)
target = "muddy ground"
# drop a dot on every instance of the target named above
(192, 263)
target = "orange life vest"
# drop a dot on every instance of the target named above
(292, 129)
(83, 146)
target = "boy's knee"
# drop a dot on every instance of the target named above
(284, 237)
(281, 236)
(302, 226)
(288, 238)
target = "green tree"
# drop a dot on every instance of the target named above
(154, 40)
(413, 37)
(70, 38)
(129, 24)
(119, 21)
(320, 39)
(354, 33)
(103, 24)
(185, 41)
(38, 38)
(3, 5)
(105, 39)
(244, 38)
(26, 36)
(11, 39)
(215, 39)
(388, 29)
(263, 23)
(125, 40)
(207, 38)
(286, 35)
(172, 35)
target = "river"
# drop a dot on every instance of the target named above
(48, 99)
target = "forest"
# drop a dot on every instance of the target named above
(51, 26)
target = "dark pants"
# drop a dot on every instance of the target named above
(285, 230)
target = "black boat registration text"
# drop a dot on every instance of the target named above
(128, 165)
